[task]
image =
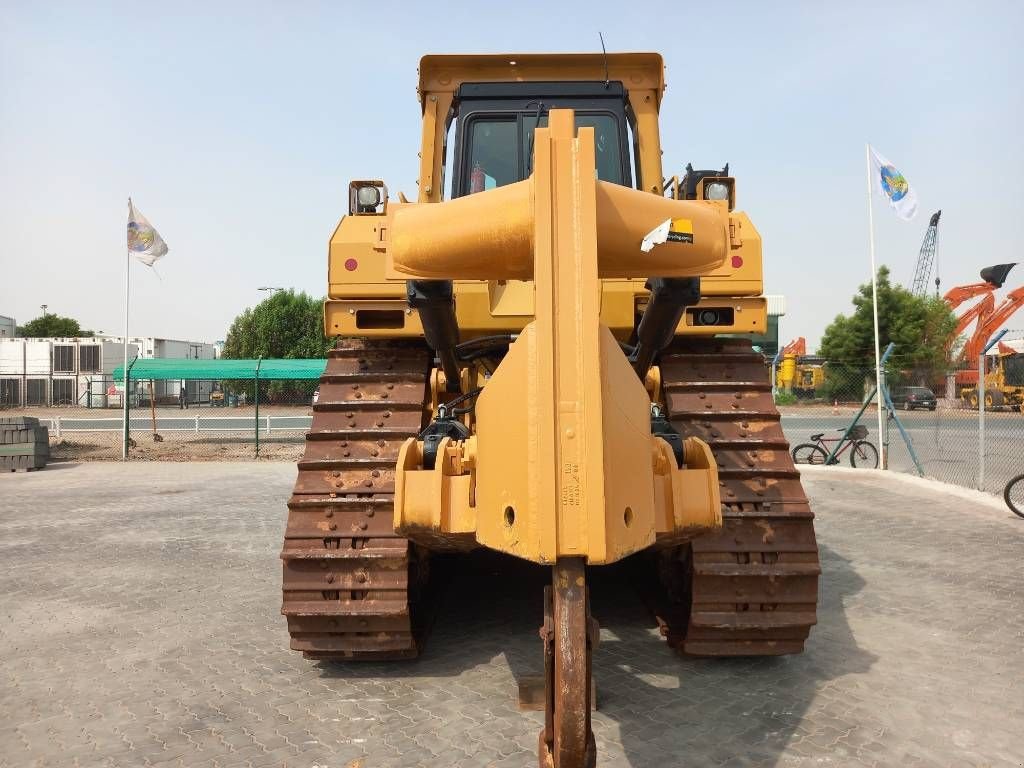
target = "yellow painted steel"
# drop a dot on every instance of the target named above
(487, 236)
(356, 269)
(564, 419)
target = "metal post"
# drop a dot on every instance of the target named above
(884, 437)
(981, 407)
(127, 405)
(981, 420)
(152, 406)
(256, 397)
(127, 293)
(874, 305)
(775, 365)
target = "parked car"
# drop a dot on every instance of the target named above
(909, 398)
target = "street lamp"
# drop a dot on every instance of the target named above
(270, 288)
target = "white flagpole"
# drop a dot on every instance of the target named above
(124, 378)
(884, 464)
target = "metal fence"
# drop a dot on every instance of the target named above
(217, 420)
(189, 420)
(948, 439)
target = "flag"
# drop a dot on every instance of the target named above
(893, 186)
(144, 242)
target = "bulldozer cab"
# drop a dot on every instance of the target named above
(494, 126)
(480, 113)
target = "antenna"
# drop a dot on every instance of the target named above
(604, 51)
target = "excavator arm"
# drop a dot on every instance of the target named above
(979, 312)
(1014, 300)
(956, 296)
(992, 277)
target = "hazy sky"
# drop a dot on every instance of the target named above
(235, 127)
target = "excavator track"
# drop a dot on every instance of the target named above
(751, 589)
(353, 589)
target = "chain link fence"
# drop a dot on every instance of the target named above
(203, 419)
(951, 438)
(186, 420)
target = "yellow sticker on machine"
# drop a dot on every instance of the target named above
(681, 231)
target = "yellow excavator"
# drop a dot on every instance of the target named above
(543, 356)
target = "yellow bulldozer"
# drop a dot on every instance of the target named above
(543, 356)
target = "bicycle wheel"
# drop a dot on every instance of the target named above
(864, 455)
(1014, 495)
(807, 453)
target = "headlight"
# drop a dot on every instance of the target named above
(708, 317)
(716, 190)
(368, 197)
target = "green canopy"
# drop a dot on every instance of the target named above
(171, 368)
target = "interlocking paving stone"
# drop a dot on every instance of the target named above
(139, 626)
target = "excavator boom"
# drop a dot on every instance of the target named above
(1013, 301)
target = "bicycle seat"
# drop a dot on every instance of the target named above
(817, 436)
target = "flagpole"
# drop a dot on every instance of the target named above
(124, 398)
(884, 464)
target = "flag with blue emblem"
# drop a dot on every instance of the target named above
(144, 242)
(894, 187)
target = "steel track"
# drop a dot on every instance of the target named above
(752, 589)
(352, 588)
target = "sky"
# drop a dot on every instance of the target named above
(235, 128)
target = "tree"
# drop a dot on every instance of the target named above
(921, 327)
(52, 325)
(284, 325)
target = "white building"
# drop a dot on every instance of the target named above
(8, 328)
(79, 371)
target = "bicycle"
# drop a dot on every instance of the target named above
(1013, 493)
(862, 453)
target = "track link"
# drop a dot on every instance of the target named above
(352, 588)
(753, 587)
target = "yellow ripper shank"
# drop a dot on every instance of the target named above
(562, 462)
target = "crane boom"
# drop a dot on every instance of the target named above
(926, 257)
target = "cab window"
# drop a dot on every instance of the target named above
(607, 147)
(499, 148)
(492, 157)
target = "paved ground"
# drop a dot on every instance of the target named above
(140, 626)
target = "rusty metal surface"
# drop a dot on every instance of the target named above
(346, 575)
(755, 584)
(569, 633)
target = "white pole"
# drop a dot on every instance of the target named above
(124, 398)
(124, 378)
(874, 310)
(981, 420)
